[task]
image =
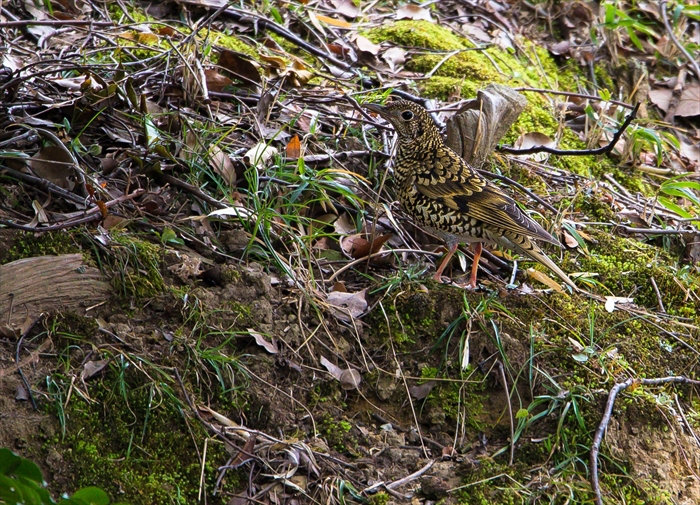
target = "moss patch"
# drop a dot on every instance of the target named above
(136, 264)
(30, 245)
(134, 445)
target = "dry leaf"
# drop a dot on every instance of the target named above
(239, 66)
(246, 454)
(293, 149)
(347, 306)
(92, 368)
(260, 154)
(349, 378)
(346, 7)
(334, 370)
(534, 139)
(366, 45)
(299, 73)
(690, 151)
(55, 165)
(275, 61)
(344, 225)
(317, 24)
(569, 240)
(422, 391)
(270, 347)
(359, 245)
(216, 81)
(338, 23)
(544, 279)
(414, 12)
(222, 165)
(395, 57)
(661, 97)
(689, 105)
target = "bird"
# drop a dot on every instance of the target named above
(449, 198)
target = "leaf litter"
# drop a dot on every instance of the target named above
(176, 129)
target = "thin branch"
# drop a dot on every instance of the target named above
(378, 253)
(602, 427)
(578, 152)
(57, 22)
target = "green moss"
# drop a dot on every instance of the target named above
(625, 266)
(593, 208)
(70, 328)
(231, 42)
(136, 267)
(337, 434)
(468, 65)
(444, 87)
(379, 499)
(29, 245)
(411, 316)
(131, 443)
(418, 34)
(116, 13)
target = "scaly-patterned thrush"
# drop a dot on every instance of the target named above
(449, 198)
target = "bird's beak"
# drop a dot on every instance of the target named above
(374, 107)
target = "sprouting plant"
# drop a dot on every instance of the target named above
(688, 190)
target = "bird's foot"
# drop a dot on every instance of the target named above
(439, 278)
(446, 280)
(468, 285)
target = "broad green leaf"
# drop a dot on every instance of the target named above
(92, 496)
(675, 208)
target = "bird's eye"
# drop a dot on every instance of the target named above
(407, 115)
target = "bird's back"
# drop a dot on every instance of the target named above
(441, 191)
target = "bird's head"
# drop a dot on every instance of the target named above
(411, 121)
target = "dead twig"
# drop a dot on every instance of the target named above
(578, 152)
(92, 214)
(658, 295)
(57, 22)
(370, 256)
(602, 427)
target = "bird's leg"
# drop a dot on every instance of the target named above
(475, 266)
(445, 261)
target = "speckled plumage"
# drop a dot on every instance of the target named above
(448, 197)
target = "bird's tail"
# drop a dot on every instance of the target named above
(526, 246)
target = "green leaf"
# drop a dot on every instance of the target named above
(635, 40)
(682, 193)
(522, 414)
(169, 236)
(680, 185)
(675, 208)
(92, 496)
(8, 461)
(28, 470)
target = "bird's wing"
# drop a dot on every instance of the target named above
(461, 188)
